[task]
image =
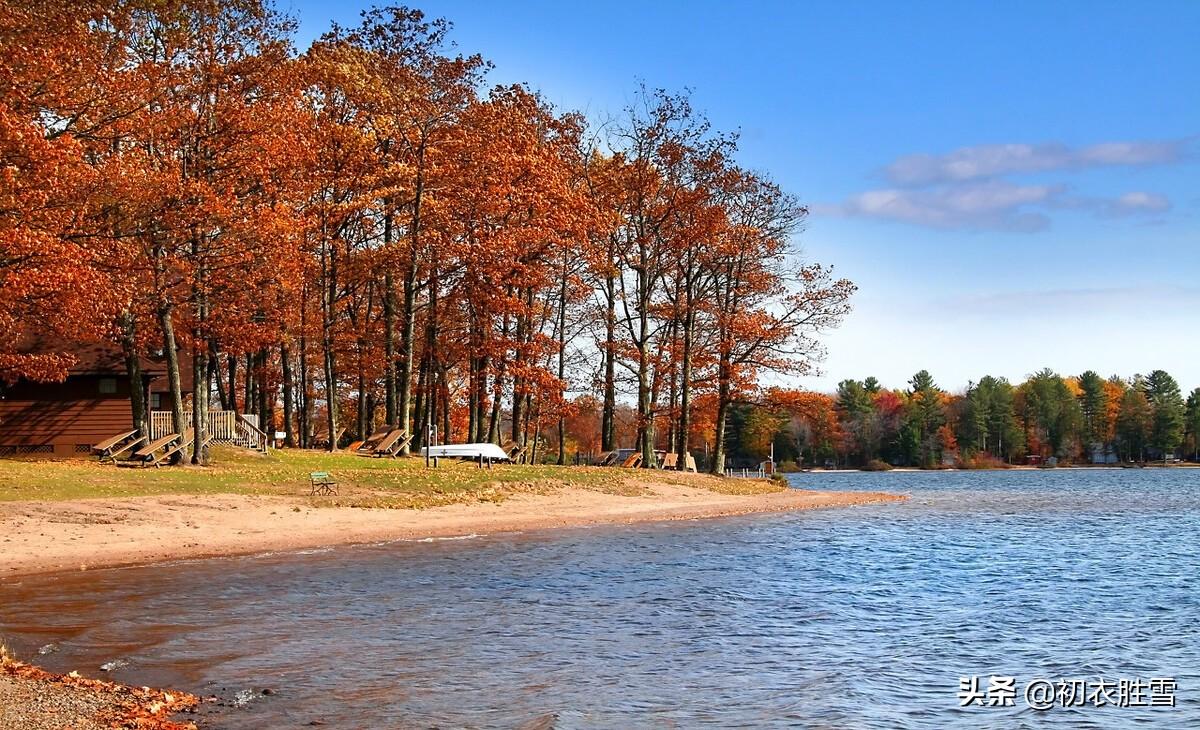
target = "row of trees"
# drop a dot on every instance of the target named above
(1080, 419)
(362, 234)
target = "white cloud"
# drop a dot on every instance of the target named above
(987, 161)
(993, 205)
(1138, 202)
(989, 205)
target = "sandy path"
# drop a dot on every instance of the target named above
(47, 536)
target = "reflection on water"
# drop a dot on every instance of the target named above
(862, 617)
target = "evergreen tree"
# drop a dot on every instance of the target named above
(1193, 422)
(1166, 403)
(925, 415)
(1134, 422)
(1093, 402)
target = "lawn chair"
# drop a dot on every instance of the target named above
(669, 461)
(321, 483)
(516, 452)
(689, 464)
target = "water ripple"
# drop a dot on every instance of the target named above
(861, 618)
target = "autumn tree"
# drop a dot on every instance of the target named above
(767, 307)
(52, 91)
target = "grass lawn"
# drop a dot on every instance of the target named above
(363, 482)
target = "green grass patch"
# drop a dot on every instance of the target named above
(363, 482)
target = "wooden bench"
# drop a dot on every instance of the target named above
(113, 447)
(156, 452)
(321, 483)
(368, 446)
(392, 443)
(609, 459)
(633, 462)
(669, 461)
(396, 447)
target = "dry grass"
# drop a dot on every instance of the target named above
(363, 482)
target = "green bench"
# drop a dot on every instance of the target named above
(321, 483)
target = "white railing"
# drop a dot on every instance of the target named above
(759, 473)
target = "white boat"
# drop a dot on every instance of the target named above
(466, 451)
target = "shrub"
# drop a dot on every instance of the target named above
(983, 461)
(877, 465)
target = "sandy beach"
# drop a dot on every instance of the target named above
(93, 533)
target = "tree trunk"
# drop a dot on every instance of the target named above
(168, 334)
(389, 331)
(285, 360)
(249, 400)
(265, 395)
(723, 400)
(608, 416)
(362, 426)
(328, 300)
(498, 386)
(685, 392)
(199, 403)
(409, 312)
(215, 376)
(133, 367)
(233, 402)
(409, 318)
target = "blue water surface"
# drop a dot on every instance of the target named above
(863, 617)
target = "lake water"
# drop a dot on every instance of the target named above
(846, 618)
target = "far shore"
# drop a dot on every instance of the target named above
(80, 534)
(1011, 467)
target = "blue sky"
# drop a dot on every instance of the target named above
(1012, 185)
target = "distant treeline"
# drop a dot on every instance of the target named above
(1078, 419)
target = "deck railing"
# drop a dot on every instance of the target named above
(223, 427)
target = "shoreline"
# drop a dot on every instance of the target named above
(1011, 467)
(35, 699)
(52, 536)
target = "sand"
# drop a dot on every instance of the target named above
(37, 537)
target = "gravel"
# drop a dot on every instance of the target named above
(33, 699)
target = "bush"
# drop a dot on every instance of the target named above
(877, 465)
(788, 467)
(982, 461)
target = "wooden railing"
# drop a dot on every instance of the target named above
(251, 434)
(223, 427)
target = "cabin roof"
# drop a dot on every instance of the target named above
(98, 358)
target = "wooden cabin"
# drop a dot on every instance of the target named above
(92, 404)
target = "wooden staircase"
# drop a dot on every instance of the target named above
(224, 427)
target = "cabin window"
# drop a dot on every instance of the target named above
(155, 401)
(108, 386)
